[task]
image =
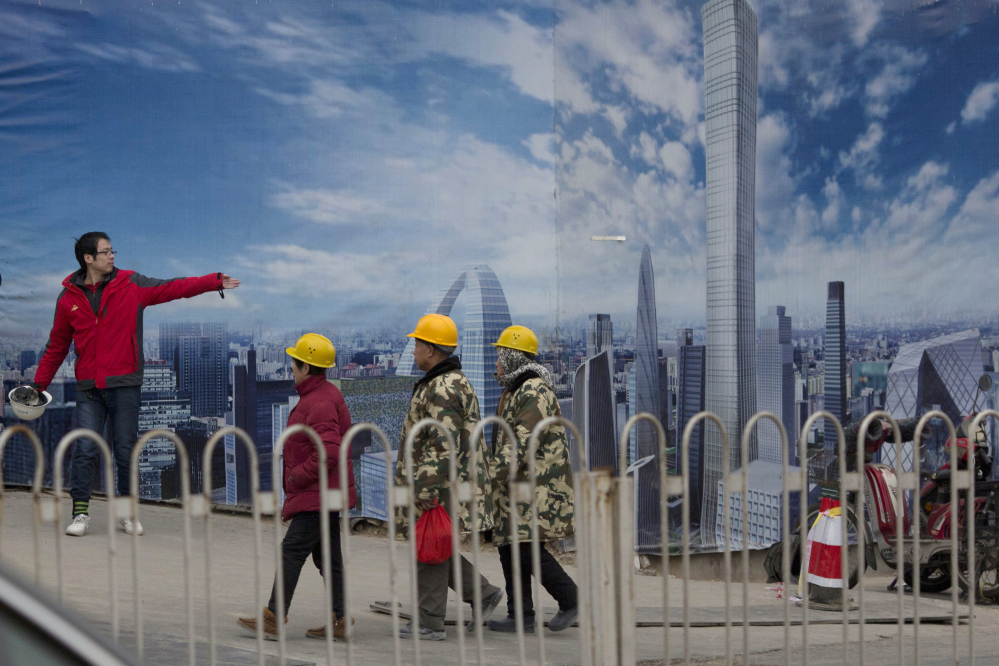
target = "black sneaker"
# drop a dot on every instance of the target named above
(489, 605)
(563, 619)
(508, 625)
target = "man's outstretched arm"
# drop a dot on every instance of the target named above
(153, 291)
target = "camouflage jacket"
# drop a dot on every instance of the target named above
(523, 405)
(444, 394)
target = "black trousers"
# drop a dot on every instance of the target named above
(553, 578)
(304, 538)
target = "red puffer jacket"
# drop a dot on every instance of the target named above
(323, 409)
(105, 323)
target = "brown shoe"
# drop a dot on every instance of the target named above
(270, 625)
(339, 630)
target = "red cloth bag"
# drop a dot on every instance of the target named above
(433, 536)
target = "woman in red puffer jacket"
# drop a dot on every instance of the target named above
(322, 408)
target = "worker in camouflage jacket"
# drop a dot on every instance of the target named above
(445, 395)
(529, 398)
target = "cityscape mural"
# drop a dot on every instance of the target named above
(728, 206)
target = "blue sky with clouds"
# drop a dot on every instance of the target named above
(346, 161)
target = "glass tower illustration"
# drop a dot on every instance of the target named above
(730, 94)
(486, 316)
(939, 373)
(646, 360)
(600, 337)
(775, 385)
(690, 401)
(835, 362)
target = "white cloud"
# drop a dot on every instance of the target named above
(828, 86)
(897, 76)
(950, 128)
(829, 94)
(618, 118)
(150, 55)
(977, 217)
(834, 199)
(676, 160)
(774, 72)
(293, 269)
(647, 50)
(523, 51)
(330, 98)
(646, 148)
(980, 102)
(919, 209)
(332, 207)
(542, 146)
(863, 156)
(864, 16)
(775, 184)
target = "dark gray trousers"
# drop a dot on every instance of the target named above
(434, 581)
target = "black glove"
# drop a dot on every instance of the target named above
(26, 395)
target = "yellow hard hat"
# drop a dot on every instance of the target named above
(314, 349)
(437, 330)
(518, 337)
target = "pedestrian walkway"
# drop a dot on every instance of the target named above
(233, 595)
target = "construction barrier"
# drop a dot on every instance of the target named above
(604, 536)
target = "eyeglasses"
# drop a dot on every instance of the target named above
(110, 253)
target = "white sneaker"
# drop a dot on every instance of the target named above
(130, 527)
(79, 526)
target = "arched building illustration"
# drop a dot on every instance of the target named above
(486, 316)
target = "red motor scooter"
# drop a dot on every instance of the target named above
(934, 511)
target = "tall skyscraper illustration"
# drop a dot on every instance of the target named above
(647, 397)
(486, 316)
(600, 337)
(253, 408)
(730, 72)
(169, 339)
(775, 385)
(198, 354)
(593, 415)
(835, 361)
(163, 406)
(689, 401)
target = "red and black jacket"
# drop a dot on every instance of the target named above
(323, 409)
(105, 324)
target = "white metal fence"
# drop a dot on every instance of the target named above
(605, 523)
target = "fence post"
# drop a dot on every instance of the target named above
(532, 454)
(348, 438)
(324, 531)
(61, 448)
(133, 503)
(36, 486)
(958, 479)
(626, 525)
(744, 480)
(973, 547)
(411, 506)
(206, 510)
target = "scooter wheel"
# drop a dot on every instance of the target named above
(931, 579)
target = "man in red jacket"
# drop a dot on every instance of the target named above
(322, 408)
(100, 311)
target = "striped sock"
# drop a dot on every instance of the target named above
(81, 506)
